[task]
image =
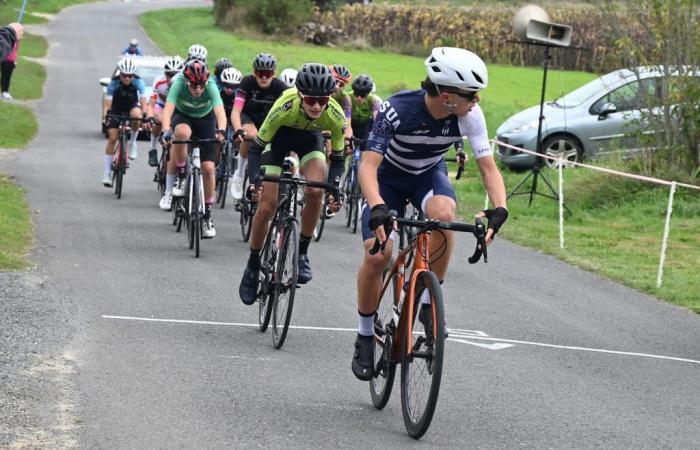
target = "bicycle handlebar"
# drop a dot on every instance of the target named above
(296, 181)
(123, 118)
(478, 229)
(193, 141)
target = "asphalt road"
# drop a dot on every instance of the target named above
(157, 351)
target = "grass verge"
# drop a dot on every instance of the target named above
(617, 225)
(15, 226)
(19, 126)
(615, 230)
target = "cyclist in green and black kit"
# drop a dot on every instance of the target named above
(295, 123)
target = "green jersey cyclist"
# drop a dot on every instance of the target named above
(194, 107)
(295, 123)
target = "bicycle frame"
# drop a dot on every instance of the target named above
(420, 264)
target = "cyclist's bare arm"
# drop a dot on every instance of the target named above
(168, 111)
(493, 182)
(107, 107)
(369, 184)
(220, 114)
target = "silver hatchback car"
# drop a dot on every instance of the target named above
(597, 118)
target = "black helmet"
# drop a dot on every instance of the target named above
(362, 85)
(264, 61)
(315, 79)
(221, 64)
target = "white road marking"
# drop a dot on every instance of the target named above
(494, 346)
(479, 335)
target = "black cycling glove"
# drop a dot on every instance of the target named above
(497, 217)
(378, 216)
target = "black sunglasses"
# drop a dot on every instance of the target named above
(470, 96)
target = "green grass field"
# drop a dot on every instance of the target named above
(15, 226)
(617, 225)
(19, 126)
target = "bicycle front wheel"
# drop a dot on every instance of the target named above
(357, 200)
(285, 282)
(421, 369)
(318, 230)
(384, 327)
(264, 295)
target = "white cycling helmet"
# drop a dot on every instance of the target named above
(197, 51)
(457, 67)
(231, 75)
(134, 42)
(126, 66)
(289, 77)
(173, 64)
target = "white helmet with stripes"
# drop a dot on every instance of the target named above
(126, 66)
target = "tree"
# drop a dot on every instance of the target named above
(671, 44)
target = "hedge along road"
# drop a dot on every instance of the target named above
(542, 354)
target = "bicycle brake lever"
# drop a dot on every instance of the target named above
(480, 234)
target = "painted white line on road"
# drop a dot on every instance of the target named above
(479, 335)
(494, 346)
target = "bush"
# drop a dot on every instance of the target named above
(270, 16)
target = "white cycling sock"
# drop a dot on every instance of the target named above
(365, 325)
(108, 163)
(134, 136)
(169, 182)
(425, 297)
(242, 164)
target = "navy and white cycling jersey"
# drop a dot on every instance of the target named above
(413, 141)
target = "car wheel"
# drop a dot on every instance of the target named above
(565, 146)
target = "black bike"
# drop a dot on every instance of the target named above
(280, 255)
(226, 166)
(120, 162)
(190, 208)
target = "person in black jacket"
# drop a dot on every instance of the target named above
(8, 36)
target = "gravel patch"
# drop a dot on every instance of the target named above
(37, 369)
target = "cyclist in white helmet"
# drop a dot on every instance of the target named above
(126, 95)
(404, 161)
(197, 51)
(159, 93)
(289, 76)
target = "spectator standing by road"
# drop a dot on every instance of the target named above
(9, 35)
(7, 66)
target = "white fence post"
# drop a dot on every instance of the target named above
(664, 243)
(561, 202)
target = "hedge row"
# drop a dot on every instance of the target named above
(486, 31)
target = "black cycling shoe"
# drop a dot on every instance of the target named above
(304, 275)
(423, 317)
(153, 157)
(248, 290)
(363, 359)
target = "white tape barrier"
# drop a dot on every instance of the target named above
(560, 165)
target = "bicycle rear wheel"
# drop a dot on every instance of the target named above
(264, 295)
(222, 176)
(285, 282)
(421, 370)
(161, 171)
(246, 211)
(357, 201)
(347, 189)
(384, 327)
(120, 168)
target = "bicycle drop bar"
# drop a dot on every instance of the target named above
(193, 141)
(295, 181)
(478, 229)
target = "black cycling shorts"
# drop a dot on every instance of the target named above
(202, 128)
(113, 122)
(361, 132)
(257, 121)
(301, 142)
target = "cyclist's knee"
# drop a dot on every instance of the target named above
(312, 195)
(182, 132)
(208, 168)
(441, 207)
